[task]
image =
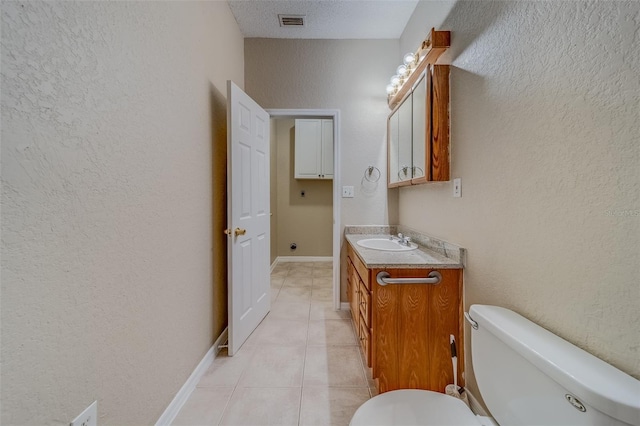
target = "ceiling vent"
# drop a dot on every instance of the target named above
(291, 20)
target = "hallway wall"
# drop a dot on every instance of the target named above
(113, 174)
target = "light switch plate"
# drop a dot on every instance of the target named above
(347, 192)
(457, 188)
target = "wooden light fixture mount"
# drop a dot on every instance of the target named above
(436, 43)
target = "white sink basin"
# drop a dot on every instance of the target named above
(385, 244)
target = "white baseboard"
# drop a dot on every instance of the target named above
(183, 394)
(303, 259)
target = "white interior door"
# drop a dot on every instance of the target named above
(249, 288)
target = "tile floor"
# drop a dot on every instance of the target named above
(301, 366)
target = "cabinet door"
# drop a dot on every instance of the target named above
(353, 293)
(365, 303)
(364, 336)
(440, 124)
(327, 149)
(308, 134)
(349, 285)
(411, 328)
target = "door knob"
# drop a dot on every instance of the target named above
(227, 232)
(240, 231)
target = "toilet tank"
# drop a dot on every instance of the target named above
(529, 376)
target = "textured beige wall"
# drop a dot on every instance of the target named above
(308, 220)
(112, 113)
(544, 115)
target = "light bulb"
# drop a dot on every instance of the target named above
(395, 80)
(409, 59)
(402, 70)
(390, 89)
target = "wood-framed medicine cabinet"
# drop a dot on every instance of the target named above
(418, 126)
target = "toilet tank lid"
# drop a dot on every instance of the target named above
(592, 380)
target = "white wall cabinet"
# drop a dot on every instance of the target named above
(314, 148)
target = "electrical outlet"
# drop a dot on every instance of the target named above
(347, 192)
(457, 188)
(89, 416)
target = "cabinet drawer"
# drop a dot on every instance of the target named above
(364, 334)
(364, 297)
(363, 272)
(350, 255)
(353, 303)
(353, 289)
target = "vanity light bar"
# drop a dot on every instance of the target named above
(414, 63)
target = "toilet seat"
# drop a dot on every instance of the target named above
(414, 407)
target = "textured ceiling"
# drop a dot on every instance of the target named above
(326, 19)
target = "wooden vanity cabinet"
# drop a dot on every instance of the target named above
(359, 293)
(352, 288)
(412, 324)
(404, 329)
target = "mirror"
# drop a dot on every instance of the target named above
(400, 141)
(405, 134)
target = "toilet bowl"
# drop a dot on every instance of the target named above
(414, 407)
(526, 375)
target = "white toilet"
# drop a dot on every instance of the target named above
(526, 375)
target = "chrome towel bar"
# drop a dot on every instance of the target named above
(434, 277)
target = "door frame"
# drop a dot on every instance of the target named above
(337, 224)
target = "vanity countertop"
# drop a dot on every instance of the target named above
(421, 258)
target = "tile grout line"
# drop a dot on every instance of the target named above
(304, 359)
(363, 365)
(235, 387)
(246, 367)
(253, 350)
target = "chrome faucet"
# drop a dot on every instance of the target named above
(406, 241)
